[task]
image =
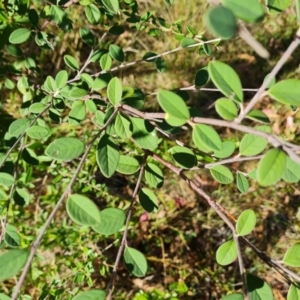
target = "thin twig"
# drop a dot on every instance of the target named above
(232, 160)
(66, 193)
(289, 51)
(111, 284)
(241, 266)
(129, 64)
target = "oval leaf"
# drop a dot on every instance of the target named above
(246, 222)
(127, 165)
(11, 262)
(292, 171)
(286, 92)
(292, 256)
(226, 253)
(112, 6)
(91, 295)
(249, 11)
(6, 179)
(37, 132)
(221, 22)
(294, 293)
(242, 183)
(226, 80)
(154, 176)
(19, 36)
(227, 149)
(114, 91)
(148, 200)
(107, 155)
(226, 109)
(144, 134)
(112, 220)
(175, 108)
(66, 148)
(271, 167)
(11, 237)
(258, 289)
(135, 262)
(83, 211)
(183, 156)
(222, 174)
(207, 136)
(18, 127)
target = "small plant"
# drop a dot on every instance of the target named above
(76, 123)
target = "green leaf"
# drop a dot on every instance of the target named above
(148, 200)
(21, 197)
(183, 156)
(258, 116)
(11, 237)
(252, 174)
(91, 295)
(271, 167)
(135, 262)
(78, 93)
(207, 136)
(202, 77)
(71, 62)
(116, 53)
(187, 41)
(9, 84)
(33, 17)
(37, 132)
(105, 62)
(83, 211)
(101, 81)
(226, 109)
(227, 149)
(60, 17)
(246, 222)
(11, 262)
(226, 253)
(87, 36)
(4, 297)
(277, 6)
(14, 50)
(127, 165)
(273, 81)
(221, 22)
(77, 113)
(242, 183)
(107, 155)
(226, 80)
(175, 108)
(93, 14)
(294, 293)
(123, 127)
(154, 176)
(292, 256)
(61, 79)
(112, 6)
(160, 64)
(221, 174)
(135, 99)
(19, 36)
(50, 84)
(114, 91)
(249, 11)
(252, 144)
(30, 157)
(292, 171)
(235, 296)
(66, 148)
(6, 179)
(144, 134)
(112, 220)
(258, 289)
(286, 92)
(18, 127)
